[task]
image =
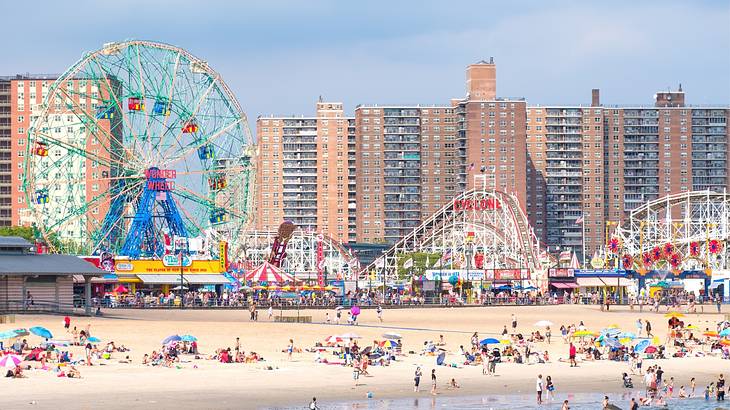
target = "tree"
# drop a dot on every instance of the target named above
(421, 262)
(25, 232)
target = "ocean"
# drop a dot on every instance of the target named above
(579, 401)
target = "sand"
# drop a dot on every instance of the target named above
(215, 385)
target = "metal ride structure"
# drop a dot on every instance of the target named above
(478, 229)
(683, 232)
(137, 143)
(307, 255)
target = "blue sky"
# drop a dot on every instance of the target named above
(279, 56)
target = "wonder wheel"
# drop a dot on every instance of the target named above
(137, 146)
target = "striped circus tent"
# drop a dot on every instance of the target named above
(267, 272)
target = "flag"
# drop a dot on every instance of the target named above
(579, 221)
(408, 264)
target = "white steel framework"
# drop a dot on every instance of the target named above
(303, 258)
(490, 223)
(694, 226)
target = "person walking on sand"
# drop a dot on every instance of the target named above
(66, 323)
(639, 327)
(648, 329)
(417, 379)
(514, 323)
(720, 388)
(379, 311)
(271, 312)
(571, 355)
(692, 386)
(290, 349)
(539, 388)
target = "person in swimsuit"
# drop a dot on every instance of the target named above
(417, 379)
(433, 382)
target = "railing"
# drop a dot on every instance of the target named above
(37, 306)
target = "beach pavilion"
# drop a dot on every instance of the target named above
(35, 282)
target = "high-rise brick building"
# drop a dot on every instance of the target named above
(591, 165)
(305, 172)
(6, 186)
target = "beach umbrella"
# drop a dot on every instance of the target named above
(42, 332)
(188, 338)
(392, 336)
(355, 310)
(329, 287)
(339, 307)
(544, 323)
(121, 289)
(641, 346)
(350, 336)
(692, 327)
(170, 339)
(583, 333)
(440, 359)
(94, 339)
(610, 331)
(725, 342)
(489, 341)
(10, 334)
(725, 332)
(21, 332)
(62, 343)
(674, 314)
(611, 342)
(628, 335)
(390, 344)
(333, 339)
(505, 342)
(650, 349)
(10, 361)
(613, 326)
(711, 334)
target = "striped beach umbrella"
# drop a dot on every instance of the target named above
(267, 272)
(10, 361)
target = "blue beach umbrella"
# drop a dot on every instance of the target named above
(188, 338)
(611, 332)
(171, 338)
(725, 332)
(628, 335)
(94, 339)
(611, 342)
(489, 341)
(42, 332)
(642, 345)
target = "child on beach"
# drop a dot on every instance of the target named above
(453, 384)
(550, 387)
(433, 382)
(417, 379)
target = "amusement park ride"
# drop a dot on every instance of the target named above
(137, 144)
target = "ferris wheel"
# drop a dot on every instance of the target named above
(136, 145)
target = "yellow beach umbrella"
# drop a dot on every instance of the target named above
(655, 341)
(674, 314)
(505, 342)
(613, 326)
(583, 333)
(692, 327)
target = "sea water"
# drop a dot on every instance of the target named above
(578, 401)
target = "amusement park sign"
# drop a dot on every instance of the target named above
(484, 204)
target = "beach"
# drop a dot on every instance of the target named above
(276, 381)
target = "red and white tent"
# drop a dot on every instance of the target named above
(267, 272)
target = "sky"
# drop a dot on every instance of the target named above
(279, 57)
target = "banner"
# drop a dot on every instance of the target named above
(157, 266)
(223, 256)
(561, 273)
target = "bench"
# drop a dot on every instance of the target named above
(293, 319)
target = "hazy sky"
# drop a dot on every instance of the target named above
(279, 56)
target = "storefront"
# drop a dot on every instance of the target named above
(604, 282)
(562, 280)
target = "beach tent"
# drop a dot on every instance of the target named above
(267, 272)
(440, 359)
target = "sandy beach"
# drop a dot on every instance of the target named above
(209, 384)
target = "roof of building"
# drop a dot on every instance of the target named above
(14, 242)
(47, 264)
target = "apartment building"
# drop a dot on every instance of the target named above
(305, 172)
(591, 165)
(407, 167)
(6, 198)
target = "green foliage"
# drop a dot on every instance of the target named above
(421, 262)
(25, 232)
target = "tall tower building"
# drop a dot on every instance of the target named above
(303, 172)
(6, 175)
(491, 135)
